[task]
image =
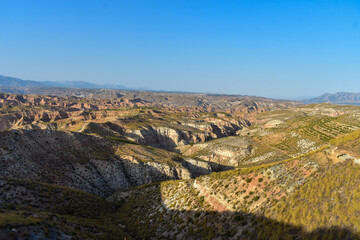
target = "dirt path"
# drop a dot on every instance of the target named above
(83, 127)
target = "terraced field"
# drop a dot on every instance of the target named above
(325, 128)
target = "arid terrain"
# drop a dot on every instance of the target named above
(116, 164)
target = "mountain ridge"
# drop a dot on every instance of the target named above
(343, 98)
(17, 82)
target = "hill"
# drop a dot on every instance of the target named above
(177, 166)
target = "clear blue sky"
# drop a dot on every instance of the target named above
(267, 48)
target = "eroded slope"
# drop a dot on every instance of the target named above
(89, 163)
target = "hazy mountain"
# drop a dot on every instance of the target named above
(337, 98)
(71, 84)
(16, 82)
(299, 98)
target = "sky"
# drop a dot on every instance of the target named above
(277, 49)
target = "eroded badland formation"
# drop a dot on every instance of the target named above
(107, 164)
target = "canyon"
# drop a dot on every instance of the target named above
(150, 165)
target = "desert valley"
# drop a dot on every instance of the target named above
(116, 164)
(179, 120)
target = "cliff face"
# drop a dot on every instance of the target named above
(89, 163)
(175, 135)
(166, 138)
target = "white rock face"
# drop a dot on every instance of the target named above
(273, 123)
(262, 157)
(169, 138)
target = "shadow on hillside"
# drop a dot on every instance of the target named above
(86, 162)
(143, 222)
(139, 218)
(154, 139)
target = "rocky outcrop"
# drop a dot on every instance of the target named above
(165, 137)
(228, 151)
(170, 137)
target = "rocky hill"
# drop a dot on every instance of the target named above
(138, 168)
(287, 200)
(88, 163)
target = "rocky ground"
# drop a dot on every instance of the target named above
(176, 166)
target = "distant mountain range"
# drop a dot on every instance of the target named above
(16, 82)
(344, 98)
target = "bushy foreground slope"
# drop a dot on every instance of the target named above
(301, 198)
(32, 210)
